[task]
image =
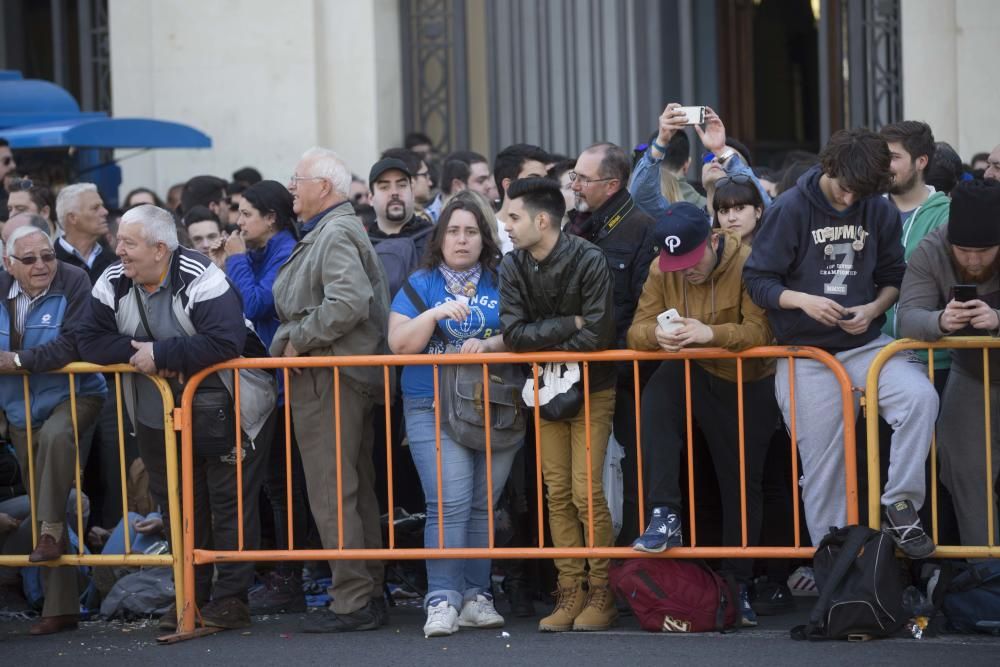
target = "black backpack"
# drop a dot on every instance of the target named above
(400, 256)
(969, 594)
(861, 591)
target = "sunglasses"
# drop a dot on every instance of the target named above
(707, 157)
(738, 179)
(21, 185)
(31, 259)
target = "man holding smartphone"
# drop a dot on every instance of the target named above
(826, 264)
(952, 287)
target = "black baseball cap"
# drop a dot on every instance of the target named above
(682, 232)
(384, 165)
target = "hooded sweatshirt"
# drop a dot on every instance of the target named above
(929, 216)
(805, 245)
(721, 302)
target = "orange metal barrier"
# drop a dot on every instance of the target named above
(183, 419)
(128, 559)
(989, 550)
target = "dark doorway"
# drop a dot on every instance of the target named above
(769, 75)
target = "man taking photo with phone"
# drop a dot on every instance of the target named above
(952, 288)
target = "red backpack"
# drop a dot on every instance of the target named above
(669, 595)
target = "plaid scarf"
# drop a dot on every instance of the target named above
(461, 283)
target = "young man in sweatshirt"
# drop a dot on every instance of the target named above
(826, 265)
(699, 274)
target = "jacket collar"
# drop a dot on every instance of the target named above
(600, 223)
(321, 220)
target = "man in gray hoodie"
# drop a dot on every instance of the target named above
(965, 254)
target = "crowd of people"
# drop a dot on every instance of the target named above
(881, 235)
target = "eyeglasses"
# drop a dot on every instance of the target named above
(294, 179)
(422, 174)
(31, 259)
(738, 179)
(21, 184)
(574, 177)
(707, 157)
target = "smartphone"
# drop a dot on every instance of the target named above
(695, 115)
(964, 293)
(669, 320)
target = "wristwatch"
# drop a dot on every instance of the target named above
(726, 155)
(17, 360)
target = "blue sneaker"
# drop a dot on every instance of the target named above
(748, 617)
(664, 531)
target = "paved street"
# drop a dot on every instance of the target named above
(277, 641)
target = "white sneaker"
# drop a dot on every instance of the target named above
(480, 613)
(442, 619)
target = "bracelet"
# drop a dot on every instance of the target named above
(662, 149)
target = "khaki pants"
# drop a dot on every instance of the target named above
(564, 470)
(54, 458)
(354, 582)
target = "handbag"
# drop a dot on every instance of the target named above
(462, 397)
(560, 395)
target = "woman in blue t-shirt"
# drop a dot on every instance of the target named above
(458, 286)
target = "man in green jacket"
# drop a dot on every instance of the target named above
(921, 208)
(332, 299)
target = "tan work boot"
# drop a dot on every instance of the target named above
(568, 606)
(600, 612)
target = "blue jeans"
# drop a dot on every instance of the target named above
(464, 502)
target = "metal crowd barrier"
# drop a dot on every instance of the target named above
(183, 420)
(128, 559)
(989, 550)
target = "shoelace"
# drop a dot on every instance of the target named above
(598, 595)
(904, 529)
(566, 597)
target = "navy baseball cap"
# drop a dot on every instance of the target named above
(384, 165)
(682, 230)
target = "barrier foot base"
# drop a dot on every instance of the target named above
(184, 636)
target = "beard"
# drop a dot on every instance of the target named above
(902, 187)
(395, 211)
(967, 277)
(580, 204)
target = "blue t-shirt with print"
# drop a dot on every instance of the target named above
(418, 382)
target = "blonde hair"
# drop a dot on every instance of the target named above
(670, 187)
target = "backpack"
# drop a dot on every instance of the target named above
(671, 595)
(148, 592)
(972, 598)
(861, 591)
(399, 257)
(463, 414)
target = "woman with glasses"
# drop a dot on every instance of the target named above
(738, 206)
(460, 296)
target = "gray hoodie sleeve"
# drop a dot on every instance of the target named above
(920, 300)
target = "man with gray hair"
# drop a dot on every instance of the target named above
(84, 220)
(168, 310)
(45, 302)
(332, 299)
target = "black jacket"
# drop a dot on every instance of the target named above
(539, 302)
(101, 262)
(625, 234)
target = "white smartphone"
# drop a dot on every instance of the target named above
(695, 115)
(669, 320)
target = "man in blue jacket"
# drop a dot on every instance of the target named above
(826, 265)
(45, 300)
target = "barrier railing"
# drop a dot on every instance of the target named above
(127, 559)
(193, 556)
(991, 549)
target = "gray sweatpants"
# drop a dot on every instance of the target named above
(906, 399)
(962, 449)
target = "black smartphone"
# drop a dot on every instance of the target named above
(964, 293)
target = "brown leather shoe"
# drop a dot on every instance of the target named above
(47, 549)
(52, 624)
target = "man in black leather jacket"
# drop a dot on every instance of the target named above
(556, 293)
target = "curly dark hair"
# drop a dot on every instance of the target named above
(859, 159)
(476, 204)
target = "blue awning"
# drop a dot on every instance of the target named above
(103, 132)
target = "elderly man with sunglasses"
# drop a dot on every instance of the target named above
(45, 302)
(720, 160)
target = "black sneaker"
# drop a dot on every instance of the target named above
(901, 523)
(772, 598)
(381, 609)
(327, 621)
(229, 613)
(169, 619)
(279, 595)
